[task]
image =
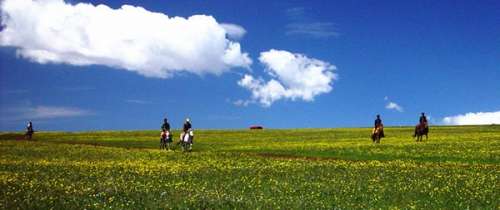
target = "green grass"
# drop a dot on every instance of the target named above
(457, 168)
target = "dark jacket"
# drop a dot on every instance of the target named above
(165, 126)
(186, 127)
(422, 119)
(378, 122)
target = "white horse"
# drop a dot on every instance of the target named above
(166, 140)
(187, 140)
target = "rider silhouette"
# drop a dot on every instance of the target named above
(378, 123)
(422, 122)
(187, 125)
(29, 130)
(185, 128)
(423, 119)
(165, 126)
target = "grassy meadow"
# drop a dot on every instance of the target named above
(456, 168)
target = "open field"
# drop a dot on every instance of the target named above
(457, 168)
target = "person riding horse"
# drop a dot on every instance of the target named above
(378, 130)
(187, 141)
(29, 131)
(379, 125)
(166, 135)
(422, 128)
(185, 128)
(165, 125)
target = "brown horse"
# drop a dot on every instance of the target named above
(377, 134)
(420, 131)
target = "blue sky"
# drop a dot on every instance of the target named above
(438, 57)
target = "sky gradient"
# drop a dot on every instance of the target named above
(393, 58)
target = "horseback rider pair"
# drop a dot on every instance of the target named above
(421, 129)
(166, 134)
(166, 126)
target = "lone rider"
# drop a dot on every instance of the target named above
(29, 130)
(378, 124)
(423, 120)
(422, 123)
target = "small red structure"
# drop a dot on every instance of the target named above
(256, 127)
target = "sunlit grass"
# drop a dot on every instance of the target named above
(457, 168)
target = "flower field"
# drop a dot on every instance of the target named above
(456, 168)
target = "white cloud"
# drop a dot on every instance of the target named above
(303, 24)
(314, 29)
(234, 31)
(42, 112)
(241, 102)
(131, 38)
(294, 76)
(136, 101)
(479, 118)
(394, 106)
(47, 112)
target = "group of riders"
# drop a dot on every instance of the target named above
(187, 135)
(421, 129)
(185, 139)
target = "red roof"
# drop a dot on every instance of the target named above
(256, 127)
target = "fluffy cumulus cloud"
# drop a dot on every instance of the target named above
(393, 105)
(293, 76)
(479, 118)
(132, 38)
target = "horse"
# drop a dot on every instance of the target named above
(377, 134)
(420, 131)
(166, 139)
(187, 140)
(29, 134)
